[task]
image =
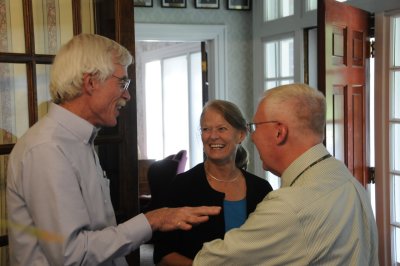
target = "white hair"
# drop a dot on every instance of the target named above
(306, 105)
(84, 53)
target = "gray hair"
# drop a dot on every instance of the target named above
(306, 105)
(84, 53)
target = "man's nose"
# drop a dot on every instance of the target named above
(126, 95)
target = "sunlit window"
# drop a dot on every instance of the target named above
(311, 5)
(279, 65)
(394, 131)
(173, 106)
(279, 70)
(275, 9)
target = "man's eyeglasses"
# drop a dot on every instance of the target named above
(251, 127)
(123, 82)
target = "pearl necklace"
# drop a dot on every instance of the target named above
(222, 180)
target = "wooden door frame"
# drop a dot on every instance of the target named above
(127, 124)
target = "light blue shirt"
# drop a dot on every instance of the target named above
(56, 185)
(324, 218)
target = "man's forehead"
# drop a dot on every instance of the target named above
(259, 113)
(263, 106)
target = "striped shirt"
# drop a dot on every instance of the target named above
(324, 218)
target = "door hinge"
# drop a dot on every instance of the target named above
(372, 49)
(371, 175)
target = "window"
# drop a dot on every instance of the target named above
(394, 134)
(279, 65)
(311, 5)
(279, 70)
(275, 9)
(387, 132)
(173, 102)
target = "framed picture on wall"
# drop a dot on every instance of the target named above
(173, 3)
(206, 3)
(239, 4)
(143, 3)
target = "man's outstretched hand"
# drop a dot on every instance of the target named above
(168, 219)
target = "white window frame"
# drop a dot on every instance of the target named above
(393, 139)
(278, 11)
(262, 31)
(279, 78)
(275, 181)
(310, 5)
(214, 34)
(178, 50)
(383, 84)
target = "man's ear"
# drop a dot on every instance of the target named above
(282, 133)
(87, 83)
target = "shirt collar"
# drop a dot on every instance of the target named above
(301, 163)
(73, 123)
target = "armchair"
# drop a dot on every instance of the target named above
(160, 175)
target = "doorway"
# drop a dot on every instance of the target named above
(214, 35)
(169, 99)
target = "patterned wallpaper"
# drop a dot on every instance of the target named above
(239, 45)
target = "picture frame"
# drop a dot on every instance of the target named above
(143, 3)
(209, 4)
(239, 4)
(173, 3)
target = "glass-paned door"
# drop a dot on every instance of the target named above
(394, 135)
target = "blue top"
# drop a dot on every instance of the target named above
(234, 213)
